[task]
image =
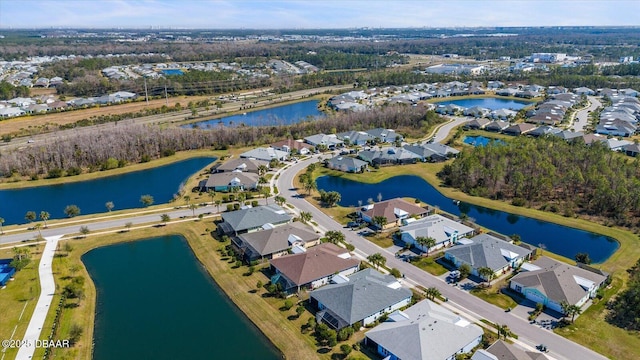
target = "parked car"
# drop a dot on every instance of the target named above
(353, 224)
(543, 348)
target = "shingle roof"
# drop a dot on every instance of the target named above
(251, 218)
(366, 293)
(486, 251)
(352, 163)
(557, 281)
(388, 208)
(248, 165)
(263, 153)
(274, 240)
(429, 332)
(504, 351)
(226, 178)
(318, 262)
(437, 227)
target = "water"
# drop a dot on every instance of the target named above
(91, 195)
(558, 239)
(169, 72)
(280, 115)
(156, 301)
(488, 103)
(480, 140)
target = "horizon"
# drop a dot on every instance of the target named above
(314, 15)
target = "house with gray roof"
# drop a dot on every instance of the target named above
(265, 154)
(330, 141)
(497, 125)
(519, 129)
(584, 91)
(477, 124)
(389, 156)
(476, 111)
(385, 135)
(275, 242)
(425, 331)
(631, 149)
(443, 230)
(486, 250)
(253, 219)
(502, 350)
(242, 165)
(544, 130)
(313, 268)
(551, 283)
(363, 296)
(503, 114)
(227, 181)
(432, 151)
(346, 164)
(355, 137)
(616, 128)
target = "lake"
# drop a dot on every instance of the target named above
(480, 140)
(156, 301)
(91, 195)
(488, 103)
(279, 115)
(558, 239)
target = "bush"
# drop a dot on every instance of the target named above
(254, 203)
(54, 173)
(288, 304)
(73, 171)
(229, 207)
(346, 349)
(395, 272)
(345, 333)
(518, 202)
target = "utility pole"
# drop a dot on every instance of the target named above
(146, 93)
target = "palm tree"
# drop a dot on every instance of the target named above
(266, 192)
(432, 293)
(486, 273)
(187, 199)
(379, 221)
(84, 230)
(165, 218)
(503, 330)
(193, 208)
(426, 242)
(218, 203)
(573, 311)
(44, 216)
(1, 222)
(109, 205)
(30, 216)
(305, 216)
(128, 225)
(211, 194)
(377, 260)
(309, 184)
(280, 200)
(38, 227)
(262, 169)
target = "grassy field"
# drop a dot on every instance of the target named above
(283, 328)
(429, 264)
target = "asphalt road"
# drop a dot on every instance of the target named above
(442, 132)
(582, 116)
(529, 334)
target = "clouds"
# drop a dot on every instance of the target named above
(290, 14)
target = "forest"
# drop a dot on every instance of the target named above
(90, 150)
(551, 174)
(624, 309)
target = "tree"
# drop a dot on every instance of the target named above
(212, 194)
(1, 222)
(486, 273)
(109, 205)
(165, 218)
(266, 192)
(74, 333)
(146, 200)
(346, 350)
(334, 237)
(573, 311)
(21, 258)
(262, 169)
(187, 199)
(218, 203)
(84, 230)
(331, 198)
(38, 227)
(377, 260)
(426, 242)
(503, 330)
(309, 184)
(432, 293)
(128, 225)
(379, 221)
(44, 216)
(300, 310)
(30, 216)
(280, 200)
(72, 211)
(583, 258)
(305, 216)
(193, 208)
(465, 271)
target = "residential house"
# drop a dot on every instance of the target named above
(497, 126)
(449, 109)
(228, 181)
(313, 268)
(616, 128)
(291, 145)
(361, 297)
(503, 114)
(486, 250)
(628, 92)
(425, 331)
(476, 111)
(393, 210)
(265, 154)
(346, 164)
(330, 141)
(617, 145)
(432, 151)
(551, 283)
(632, 149)
(568, 135)
(252, 219)
(543, 130)
(584, 91)
(477, 124)
(389, 156)
(494, 85)
(443, 230)
(502, 350)
(242, 165)
(359, 138)
(385, 135)
(275, 242)
(11, 112)
(519, 129)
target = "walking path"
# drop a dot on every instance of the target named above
(47, 289)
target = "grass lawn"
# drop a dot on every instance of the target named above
(494, 295)
(283, 328)
(429, 264)
(384, 239)
(19, 295)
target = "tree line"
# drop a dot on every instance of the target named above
(555, 175)
(97, 149)
(624, 309)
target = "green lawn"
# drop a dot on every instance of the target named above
(429, 265)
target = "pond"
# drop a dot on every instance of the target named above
(156, 301)
(279, 115)
(488, 103)
(558, 239)
(90, 196)
(480, 140)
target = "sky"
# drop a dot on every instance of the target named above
(314, 14)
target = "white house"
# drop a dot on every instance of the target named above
(443, 230)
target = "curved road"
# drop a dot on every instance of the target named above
(582, 116)
(529, 334)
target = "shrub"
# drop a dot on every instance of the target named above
(345, 333)
(395, 272)
(288, 304)
(254, 203)
(518, 202)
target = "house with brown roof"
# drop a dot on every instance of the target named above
(275, 242)
(291, 145)
(501, 350)
(551, 283)
(394, 210)
(519, 129)
(312, 268)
